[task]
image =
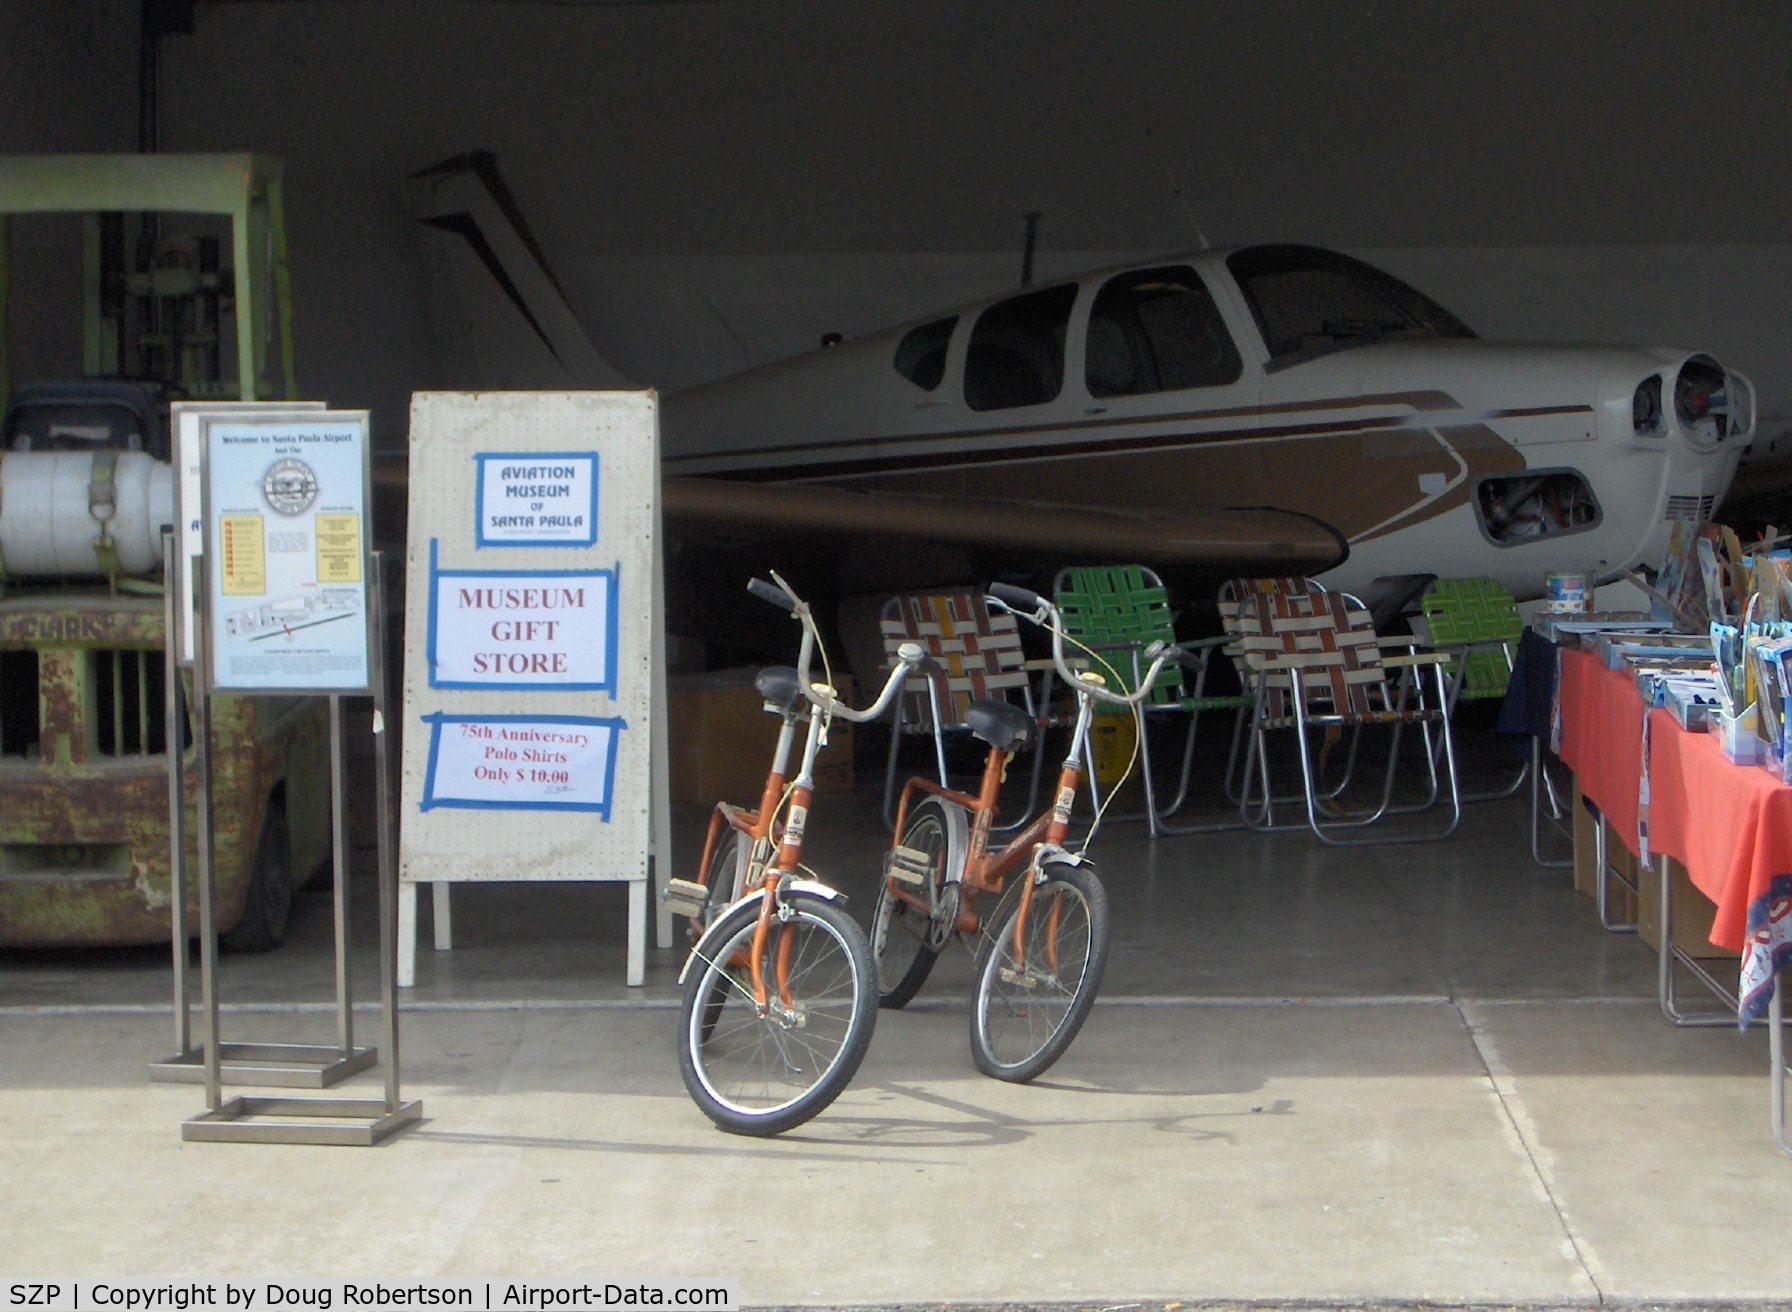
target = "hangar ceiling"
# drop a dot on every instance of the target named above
(719, 181)
(766, 125)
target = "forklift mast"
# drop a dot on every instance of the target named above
(156, 301)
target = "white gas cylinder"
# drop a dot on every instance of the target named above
(51, 515)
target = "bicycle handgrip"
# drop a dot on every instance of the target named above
(771, 592)
(1019, 597)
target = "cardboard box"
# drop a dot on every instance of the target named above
(1690, 913)
(722, 739)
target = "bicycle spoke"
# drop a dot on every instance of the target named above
(1030, 1002)
(755, 1061)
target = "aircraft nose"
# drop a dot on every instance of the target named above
(1711, 405)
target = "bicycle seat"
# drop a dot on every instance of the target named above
(1000, 724)
(781, 687)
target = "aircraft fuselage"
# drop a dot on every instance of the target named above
(1199, 383)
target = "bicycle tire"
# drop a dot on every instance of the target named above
(905, 942)
(737, 1064)
(1020, 1026)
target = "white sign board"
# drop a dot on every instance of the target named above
(530, 617)
(285, 501)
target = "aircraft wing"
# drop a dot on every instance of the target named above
(1230, 540)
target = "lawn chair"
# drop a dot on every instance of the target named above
(1475, 622)
(1314, 660)
(979, 652)
(1115, 612)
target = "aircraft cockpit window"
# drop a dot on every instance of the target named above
(921, 354)
(1016, 355)
(1538, 503)
(1309, 302)
(1156, 330)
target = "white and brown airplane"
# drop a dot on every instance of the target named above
(1267, 409)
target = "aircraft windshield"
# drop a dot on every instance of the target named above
(1309, 302)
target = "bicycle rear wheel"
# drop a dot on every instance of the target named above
(1027, 1008)
(905, 938)
(763, 1073)
(725, 867)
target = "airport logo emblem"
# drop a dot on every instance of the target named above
(289, 486)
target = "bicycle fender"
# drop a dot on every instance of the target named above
(703, 948)
(813, 888)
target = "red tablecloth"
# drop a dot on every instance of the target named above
(1729, 825)
(1602, 738)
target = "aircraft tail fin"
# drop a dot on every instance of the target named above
(520, 330)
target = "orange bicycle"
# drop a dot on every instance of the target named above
(1041, 953)
(779, 989)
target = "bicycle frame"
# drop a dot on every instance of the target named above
(774, 849)
(768, 870)
(986, 871)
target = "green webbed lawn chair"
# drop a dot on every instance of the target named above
(1117, 611)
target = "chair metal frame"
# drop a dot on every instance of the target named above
(1316, 660)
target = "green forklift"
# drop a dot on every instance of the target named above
(185, 295)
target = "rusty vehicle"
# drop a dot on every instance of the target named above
(84, 850)
(85, 495)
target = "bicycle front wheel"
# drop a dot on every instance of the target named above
(763, 1070)
(1031, 999)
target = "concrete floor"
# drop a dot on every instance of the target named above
(1362, 1078)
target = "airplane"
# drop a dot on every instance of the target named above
(1266, 409)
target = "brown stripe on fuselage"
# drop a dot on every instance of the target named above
(1358, 475)
(1358, 482)
(935, 456)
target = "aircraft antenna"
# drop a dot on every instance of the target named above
(1193, 222)
(746, 351)
(1029, 245)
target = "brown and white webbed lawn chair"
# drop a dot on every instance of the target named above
(980, 658)
(1314, 661)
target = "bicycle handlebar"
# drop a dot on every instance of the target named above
(1011, 596)
(1021, 601)
(779, 597)
(911, 656)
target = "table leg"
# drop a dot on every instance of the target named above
(1603, 878)
(1776, 1054)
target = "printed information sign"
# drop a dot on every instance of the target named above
(285, 514)
(537, 499)
(183, 417)
(521, 762)
(522, 629)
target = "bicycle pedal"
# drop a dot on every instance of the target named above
(685, 897)
(1026, 979)
(908, 865)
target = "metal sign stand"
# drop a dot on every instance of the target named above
(275, 1065)
(353, 1122)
